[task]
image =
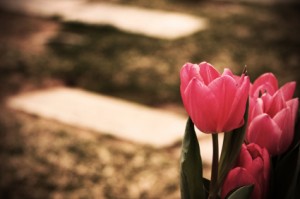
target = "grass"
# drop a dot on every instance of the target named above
(44, 159)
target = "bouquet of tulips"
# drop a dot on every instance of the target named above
(260, 156)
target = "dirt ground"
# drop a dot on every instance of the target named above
(44, 159)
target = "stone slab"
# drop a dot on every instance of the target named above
(149, 22)
(123, 119)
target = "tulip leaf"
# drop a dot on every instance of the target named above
(191, 179)
(243, 192)
(286, 175)
(231, 148)
(206, 184)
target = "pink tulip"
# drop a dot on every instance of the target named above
(272, 114)
(215, 102)
(252, 167)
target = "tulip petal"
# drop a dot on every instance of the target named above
(187, 73)
(255, 150)
(264, 131)
(284, 120)
(267, 101)
(244, 159)
(227, 72)
(277, 103)
(256, 108)
(251, 159)
(224, 89)
(238, 79)
(266, 172)
(201, 106)
(266, 82)
(293, 104)
(256, 169)
(288, 90)
(208, 72)
(260, 166)
(235, 117)
(239, 177)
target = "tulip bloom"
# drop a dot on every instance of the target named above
(215, 102)
(272, 114)
(252, 167)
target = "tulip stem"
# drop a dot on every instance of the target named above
(213, 192)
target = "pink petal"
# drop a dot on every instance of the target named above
(288, 90)
(254, 150)
(265, 132)
(257, 169)
(239, 177)
(267, 101)
(293, 104)
(227, 71)
(201, 106)
(266, 174)
(286, 124)
(187, 73)
(252, 104)
(256, 108)
(208, 73)
(236, 115)
(257, 164)
(267, 82)
(261, 166)
(277, 104)
(241, 79)
(256, 161)
(224, 89)
(244, 159)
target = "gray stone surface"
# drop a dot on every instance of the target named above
(153, 23)
(123, 119)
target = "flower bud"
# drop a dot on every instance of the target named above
(252, 167)
(272, 114)
(215, 102)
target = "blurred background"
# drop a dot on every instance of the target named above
(42, 158)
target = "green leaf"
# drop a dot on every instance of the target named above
(231, 148)
(206, 184)
(286, 175)
(243, 192)
(191, 179)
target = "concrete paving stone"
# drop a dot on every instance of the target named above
(149, 22)
(120, 118)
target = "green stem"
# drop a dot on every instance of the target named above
(213, 192)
